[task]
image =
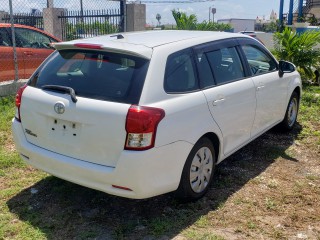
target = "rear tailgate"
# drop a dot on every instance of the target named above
(89, 130)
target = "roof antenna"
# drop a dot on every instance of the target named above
(119, 36)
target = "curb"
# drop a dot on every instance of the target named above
(10, 88)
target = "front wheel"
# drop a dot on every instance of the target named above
(197, 172)
(291, 113)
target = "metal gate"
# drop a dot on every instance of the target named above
(33, 19)
(89, 23)
(83, 24)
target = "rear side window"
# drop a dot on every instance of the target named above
(180, 74)
(97, 75)
(259, 61)
(204, 71)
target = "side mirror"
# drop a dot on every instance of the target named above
(285, 67)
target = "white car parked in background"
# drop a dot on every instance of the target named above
(146, 113)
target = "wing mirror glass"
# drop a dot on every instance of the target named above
(285, 67)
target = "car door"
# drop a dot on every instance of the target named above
(230, 94)
(7, 67)
(35, 47)
(271, 90)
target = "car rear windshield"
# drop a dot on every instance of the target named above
(98, 75)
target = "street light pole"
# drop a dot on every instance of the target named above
(210, 13)
(213, 11)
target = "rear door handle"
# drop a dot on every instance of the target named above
(28, 53)
(216, 102)
(260, 86)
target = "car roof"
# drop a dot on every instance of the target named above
(6, 25)
(142, 43)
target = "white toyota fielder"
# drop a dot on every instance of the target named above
(141, 114)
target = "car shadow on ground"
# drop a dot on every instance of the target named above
(62, 210)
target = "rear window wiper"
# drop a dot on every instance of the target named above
(64, 89)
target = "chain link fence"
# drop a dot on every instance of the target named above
(28, 27)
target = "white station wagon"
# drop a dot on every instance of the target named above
(145, 113)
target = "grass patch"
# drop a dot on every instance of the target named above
(202, 222)
(196, 235)
(309, 116)
(160, 226)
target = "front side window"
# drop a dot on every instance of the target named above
(259, 61)
(27, 38)
(226, 65)
(97, 75)
(179, 73)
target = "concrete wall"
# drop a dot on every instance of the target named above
(136, 17)
(10, 88)
(2, 14)
(267, 39)
(240, 24)
(51, 22)
(316, 11)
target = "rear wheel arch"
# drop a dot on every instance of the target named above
(209, 143)
(215, 141)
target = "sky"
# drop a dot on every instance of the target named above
(224, 9)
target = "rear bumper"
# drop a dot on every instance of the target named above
(146, 173)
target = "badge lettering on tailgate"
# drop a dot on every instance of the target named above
(30, 133)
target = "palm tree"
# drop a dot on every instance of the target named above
(183, 21)
(300, 49)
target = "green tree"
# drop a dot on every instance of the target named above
(212, 26)
(270, 27)
(185, 22)
(300, 49)
(313, 21)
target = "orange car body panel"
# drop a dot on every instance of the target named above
(29, 59)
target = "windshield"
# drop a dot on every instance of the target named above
(97, 75)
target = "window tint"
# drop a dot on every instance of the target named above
(4, 38)
(226, 65)
(258, 60)
(27, 38)
(179, 74)
(97, 75)
(204, 71)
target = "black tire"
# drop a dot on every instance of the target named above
(290, 118)
(188, 189)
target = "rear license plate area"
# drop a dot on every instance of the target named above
(64, 128)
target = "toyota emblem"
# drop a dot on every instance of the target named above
(59, 108)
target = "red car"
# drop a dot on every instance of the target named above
(32, 44)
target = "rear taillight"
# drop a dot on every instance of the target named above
(141, 127)
(18, 102)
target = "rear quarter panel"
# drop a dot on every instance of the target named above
(187, 116)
